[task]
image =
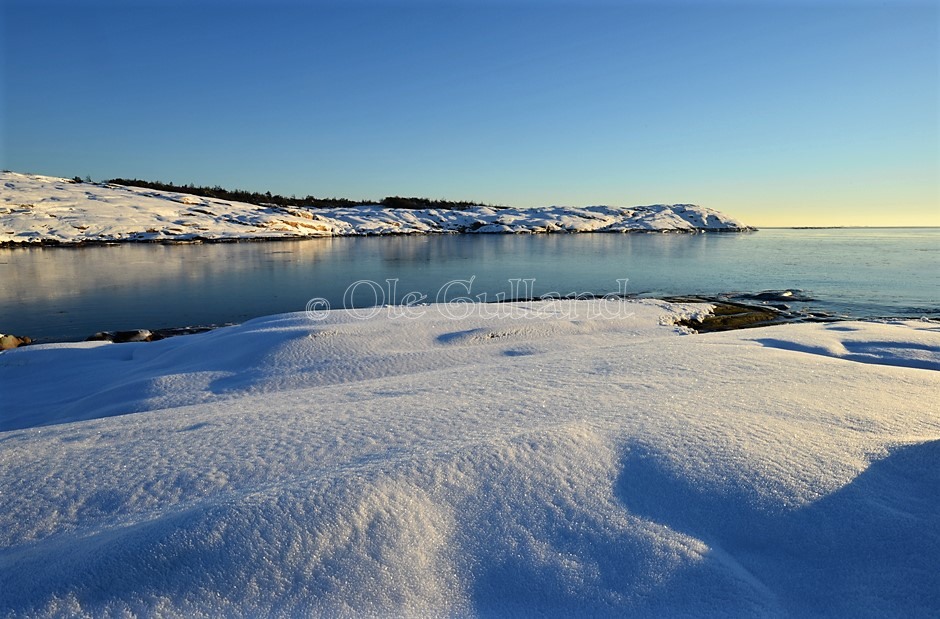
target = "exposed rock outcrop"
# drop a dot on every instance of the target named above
(12, 341)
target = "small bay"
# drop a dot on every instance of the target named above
(62, 294)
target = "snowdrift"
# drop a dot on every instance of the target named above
(563, 458)
(41, 209)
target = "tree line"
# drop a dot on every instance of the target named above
(255, 197)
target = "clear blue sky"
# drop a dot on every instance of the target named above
(780, 113)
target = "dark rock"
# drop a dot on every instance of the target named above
(145, 335)
(137, 335)
(120, 337)
(727, 316)
(161, 334)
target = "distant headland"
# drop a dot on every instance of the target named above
(43, 210)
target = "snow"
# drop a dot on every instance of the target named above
(36, 209)
(565, 458)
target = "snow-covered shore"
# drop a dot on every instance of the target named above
(40, 209)
(567, 458)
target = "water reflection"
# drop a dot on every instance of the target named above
(58, 293)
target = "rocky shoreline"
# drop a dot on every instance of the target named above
(196, 240)
(79, 244)
(749, 310)
(725, 316)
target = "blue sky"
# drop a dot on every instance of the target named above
(780, 113)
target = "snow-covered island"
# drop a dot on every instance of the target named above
(40, 209)
(553, 458)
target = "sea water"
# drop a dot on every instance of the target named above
(59, 294)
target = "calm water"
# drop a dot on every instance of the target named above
(68, 294)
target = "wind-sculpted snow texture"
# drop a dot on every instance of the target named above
(560, 458)
(40, 209)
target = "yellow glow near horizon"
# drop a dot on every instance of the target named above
(782, 214)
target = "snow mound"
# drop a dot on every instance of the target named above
(554, 458)
(907, 344)
(42, 209)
